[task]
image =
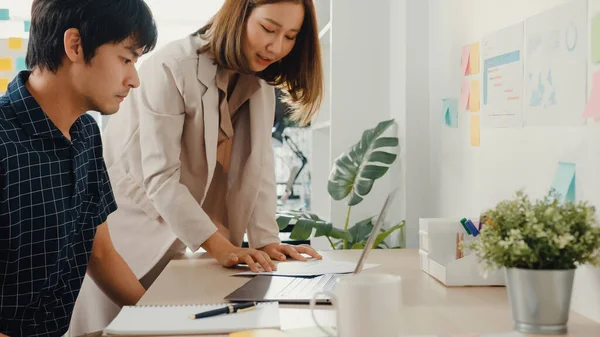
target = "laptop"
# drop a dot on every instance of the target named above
(286, 289)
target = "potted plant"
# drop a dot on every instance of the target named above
(539, 244)
(352, 177)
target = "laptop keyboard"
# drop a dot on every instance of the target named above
(306, 287)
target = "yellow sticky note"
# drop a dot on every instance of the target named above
(6, 64)
(474, 59)
(3, 84)
(475, 130)
(15, 43)
(258, 333)
(474, 98)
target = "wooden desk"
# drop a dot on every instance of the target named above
(429, 307)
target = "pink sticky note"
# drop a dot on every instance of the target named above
(464, 61)
(592, 110)
(464, 94)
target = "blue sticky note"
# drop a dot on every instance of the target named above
(20, 64)
(4, 15)
(27, 25)
(564, 181)
(450, 112)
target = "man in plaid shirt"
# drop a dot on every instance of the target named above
(55, 194)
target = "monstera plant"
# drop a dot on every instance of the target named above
(351, 178)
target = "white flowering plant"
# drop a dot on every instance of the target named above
(542, 234)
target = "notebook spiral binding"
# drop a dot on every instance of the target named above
(178, 305)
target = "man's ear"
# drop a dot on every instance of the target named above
(73, 47)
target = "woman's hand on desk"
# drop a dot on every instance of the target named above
(252, 257)
(279, 251)
(229, 255)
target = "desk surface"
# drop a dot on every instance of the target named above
(429, 307)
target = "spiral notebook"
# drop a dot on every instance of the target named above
(174, 320)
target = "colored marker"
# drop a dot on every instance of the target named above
(463, 222)
(472, 227)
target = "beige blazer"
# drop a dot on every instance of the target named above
(161, 153)
(160, 150)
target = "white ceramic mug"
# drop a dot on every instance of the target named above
(366, 305)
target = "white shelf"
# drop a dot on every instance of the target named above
(321, 125)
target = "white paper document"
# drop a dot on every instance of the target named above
(310, 268)
(556, 52)
(503, 78)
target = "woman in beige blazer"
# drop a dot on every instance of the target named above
(189, 155)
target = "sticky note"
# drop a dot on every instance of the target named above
(474, 59)
(6, 64)
(464, 94)
(20, 64)
(592, 109)
(26, 26)
(3, 84)
(464, 61)
(564, 182)
(15, 43)
(450, 112)
(595, 38)
(475, 130)
(4, 15)
(474, 96)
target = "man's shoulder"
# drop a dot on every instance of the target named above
(7, 121)
(90, 127)
(90, 123)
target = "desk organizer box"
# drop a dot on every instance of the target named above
(438, 258)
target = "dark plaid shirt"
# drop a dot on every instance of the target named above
(53, 194)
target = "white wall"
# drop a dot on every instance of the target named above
(359, 90)
(466, 180)
(416, 151)
(380, 71)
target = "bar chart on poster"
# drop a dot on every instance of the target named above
(503, 77)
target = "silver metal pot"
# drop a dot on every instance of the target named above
(540, 299)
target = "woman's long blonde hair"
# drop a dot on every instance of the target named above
(299, 75)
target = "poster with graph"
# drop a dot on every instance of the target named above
(502, 54)
(12, 60)
(556, 47)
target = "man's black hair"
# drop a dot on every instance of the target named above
(98, 21)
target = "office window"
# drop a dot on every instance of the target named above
(176, 19)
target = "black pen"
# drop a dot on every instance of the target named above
(230, 309)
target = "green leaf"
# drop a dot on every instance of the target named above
(386, 142)
(373, 172)
(283, 221)
(323, 228)
(382, 157)
(354, 200)
(338, 233)
(354, 172)
(358, 246)
(363, 187)
(314, 216)
(379, 239)
(361, 230)
(302, 229)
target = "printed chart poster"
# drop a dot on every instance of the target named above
(556, 66)
(502, 98)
